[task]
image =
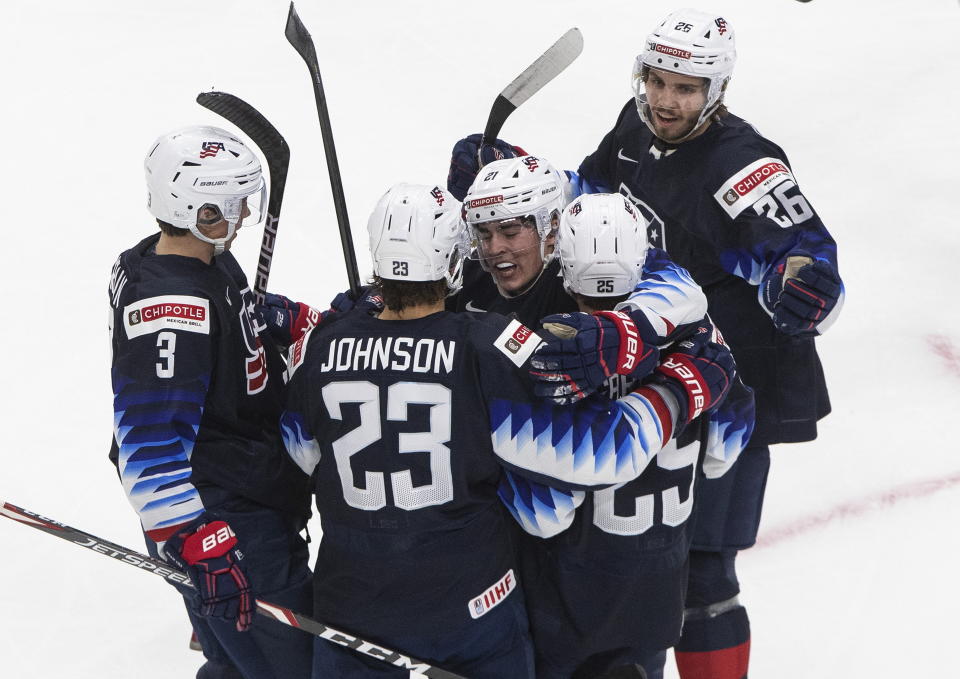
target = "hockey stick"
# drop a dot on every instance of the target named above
(548, 66)
(265, 608)
(298, 36)
(252, 123)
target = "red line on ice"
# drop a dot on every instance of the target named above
(856, 508)
(943, 347)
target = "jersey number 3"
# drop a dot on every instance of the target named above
(399, 397)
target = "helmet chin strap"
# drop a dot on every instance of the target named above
(219, 244)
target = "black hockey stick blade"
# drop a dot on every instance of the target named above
(288, 617)
(274, 148)
(298, 36)
(548, 66)
(265, 608)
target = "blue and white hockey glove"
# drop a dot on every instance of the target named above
(468, 157)
(208, 553)
(698, 371)
(369, 301)
(802, 299)
(587, 351)
(287, 320)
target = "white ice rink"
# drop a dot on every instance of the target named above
(855, 573)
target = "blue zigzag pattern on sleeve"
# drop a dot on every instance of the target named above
(731, 424)
(541, 510)
(156, 430)
(593, 443)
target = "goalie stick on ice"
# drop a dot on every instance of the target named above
(265, 608)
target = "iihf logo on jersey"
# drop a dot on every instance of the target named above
(211, 148)
(531, 162)
(497, 592)
(721, 25)
(437, 195)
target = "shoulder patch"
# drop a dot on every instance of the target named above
(173, 312)
(751, 183)
(517, 342)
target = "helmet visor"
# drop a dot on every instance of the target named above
(503, 237)
(238, 211)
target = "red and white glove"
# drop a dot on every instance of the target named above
(208, 553)
(698, 371)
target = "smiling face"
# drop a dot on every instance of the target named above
(675, 102)
(510, 250)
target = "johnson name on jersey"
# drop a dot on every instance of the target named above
(370, 416)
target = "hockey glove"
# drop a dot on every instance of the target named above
(589, 350)
(208, 553)
(369, 301)
(802, 293)
(698, 371)
(468, 157)
(287, 320)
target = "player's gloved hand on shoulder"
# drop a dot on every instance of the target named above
(698, 371)
(207, 551)
(802, 292)
(587, 351)
(369, 300)
(287, 320)
(468, 157)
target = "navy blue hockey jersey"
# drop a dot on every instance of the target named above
(726, 206)
(404, 426)
(607, 586)
(197, 390)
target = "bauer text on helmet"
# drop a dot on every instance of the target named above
(200, 176)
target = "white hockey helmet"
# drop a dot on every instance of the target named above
(517, 188)
(203, 167)
(602, 245)
(417, 234)
(689, 42)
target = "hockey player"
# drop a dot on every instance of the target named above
(513, 210)
(608, 591)
(724, 202)
(197, 399)
(392, 416)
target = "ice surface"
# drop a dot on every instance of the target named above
(863, 97)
